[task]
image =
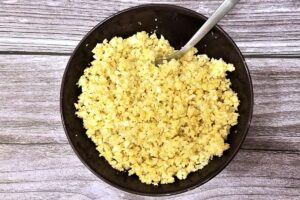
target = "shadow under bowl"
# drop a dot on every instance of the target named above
(176, 24)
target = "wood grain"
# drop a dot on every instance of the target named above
(29, 101)
(36, 161)
(55, 172)
(260, 27)
(276, 119)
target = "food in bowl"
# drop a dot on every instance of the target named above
(158, 122)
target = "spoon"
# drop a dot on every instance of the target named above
(224, 8)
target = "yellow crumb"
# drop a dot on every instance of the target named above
(156, 122)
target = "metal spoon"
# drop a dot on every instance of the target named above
(224, 8)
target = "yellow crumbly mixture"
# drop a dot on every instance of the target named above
(156, 122)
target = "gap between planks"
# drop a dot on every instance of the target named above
(296, 56)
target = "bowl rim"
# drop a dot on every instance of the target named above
(221, 167)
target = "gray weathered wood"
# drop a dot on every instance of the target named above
(276, 119)
(36, 161)
(29, 101)
(258, 26)
(51, 170)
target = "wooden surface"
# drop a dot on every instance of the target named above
(36, 39)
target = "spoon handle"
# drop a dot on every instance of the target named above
(224, 8)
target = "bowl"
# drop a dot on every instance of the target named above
(177, 24)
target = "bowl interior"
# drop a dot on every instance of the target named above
(177, 25)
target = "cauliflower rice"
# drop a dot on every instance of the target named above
(156, 122)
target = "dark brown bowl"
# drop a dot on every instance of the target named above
(176, 24)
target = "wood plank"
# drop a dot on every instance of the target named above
(276, 119)
(29, 101)
(258, 26)
(52, 171)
